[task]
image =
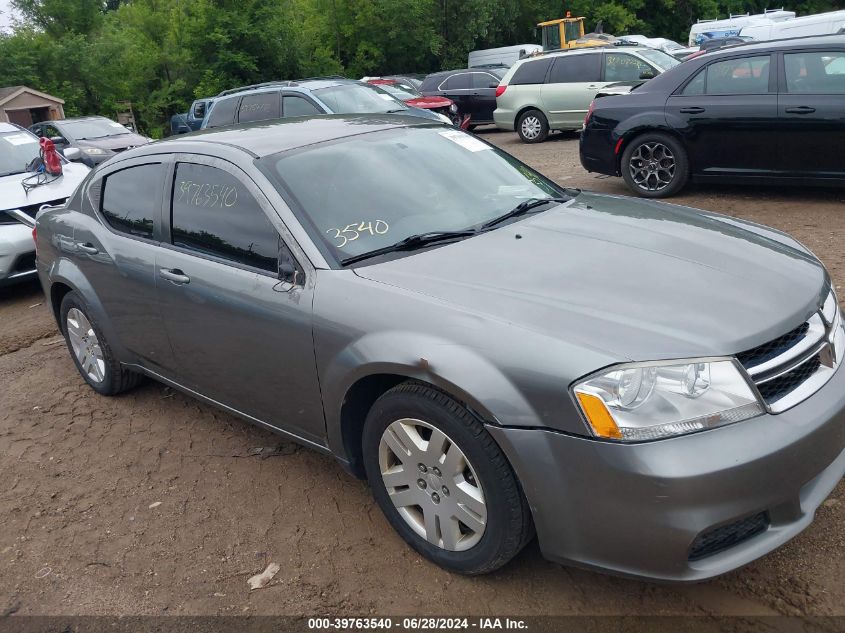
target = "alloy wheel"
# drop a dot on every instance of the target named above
(652, 166)
(85, 345)
(432, 484)
(531, 127)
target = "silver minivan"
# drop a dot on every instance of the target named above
(553, 92)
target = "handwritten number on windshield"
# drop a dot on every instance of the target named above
(353, 231)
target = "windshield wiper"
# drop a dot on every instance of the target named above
(395, 111)
(521, 209)
(410, 243)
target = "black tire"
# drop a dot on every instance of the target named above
(116, 378)
(508, 527)
(651, 186)
(532, 127)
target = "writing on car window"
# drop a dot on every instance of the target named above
(353, 231)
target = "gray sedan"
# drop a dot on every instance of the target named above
(653, 390)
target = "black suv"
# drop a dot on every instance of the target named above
(472, 89)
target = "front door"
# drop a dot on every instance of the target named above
(811, 108)
(724, 114)
(241, 336)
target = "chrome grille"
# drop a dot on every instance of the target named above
(794, 366)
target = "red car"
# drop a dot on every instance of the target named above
(411, 96)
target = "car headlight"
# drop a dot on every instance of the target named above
(93, 151)
(650, 401)
(444, 118)
(453, 109)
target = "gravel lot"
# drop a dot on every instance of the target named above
(80, 532)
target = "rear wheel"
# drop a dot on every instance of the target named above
(90, 351)
(442, 481)
(533, 127)
(655, 166)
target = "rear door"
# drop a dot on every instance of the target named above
(458, 88)
(115, 250)
(240, 335)
(727, 117)
(811, 109)
(571, 85)
(484, 96)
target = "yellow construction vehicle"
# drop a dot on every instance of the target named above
(568, 32)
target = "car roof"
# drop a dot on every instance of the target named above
(78, 118)
(263, 138)
(310, 83)
(812, 41)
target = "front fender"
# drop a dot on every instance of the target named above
(458, 370)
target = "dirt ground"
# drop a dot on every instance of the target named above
(153, 503)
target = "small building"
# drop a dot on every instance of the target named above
(25, 106)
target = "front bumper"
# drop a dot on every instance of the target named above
(17, 254)
(637, 509)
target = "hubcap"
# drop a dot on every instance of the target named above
(85, 345)
(652, 166)
(531, 127)
(432, 484)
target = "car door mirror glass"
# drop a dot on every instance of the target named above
(288, 266)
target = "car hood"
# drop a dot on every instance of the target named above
(429, 102)
(123, 141)
(12, 195)
(638, 279)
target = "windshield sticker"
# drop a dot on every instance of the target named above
(207, 195)
(465, 140)
(353, 231)
(20, 139)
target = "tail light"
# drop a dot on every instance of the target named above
(35, 236)
(500, 89)
(590, 112)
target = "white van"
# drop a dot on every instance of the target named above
(709, 29)
(504, 55)
(818, 24)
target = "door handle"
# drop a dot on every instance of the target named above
(87, 247)
(175, 275)
(692, 110)
(800, 110)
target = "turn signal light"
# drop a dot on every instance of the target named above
(500, 89)
(598, 416)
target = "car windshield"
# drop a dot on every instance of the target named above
(17, 149)
(662, 60)
(92, 128)
(360, 202)
(400, 92)
(358, 99)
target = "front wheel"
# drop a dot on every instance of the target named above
(442, 481)
(655, 166)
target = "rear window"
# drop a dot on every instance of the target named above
(132, 199)
(531, 72)
(259, 107)
(462, 81)
(223, 112)
(576, 69)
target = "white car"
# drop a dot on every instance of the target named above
(18, 207)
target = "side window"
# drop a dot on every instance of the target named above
(50, 131)
(213, 213)
(484, 80)
(297, 106)
(696, 86)
(579, 68)
(815, 72)
(132, 198)
(531, 72)
(458, 82)
(624, 67)
(746, 75)
(223, 112)
(259, 107)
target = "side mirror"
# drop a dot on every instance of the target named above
(289, 272)
(199, 111)
(59, 140)
(72, 153)
(648, 74)
(493, 85)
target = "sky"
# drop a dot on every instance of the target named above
(5, 17)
